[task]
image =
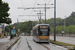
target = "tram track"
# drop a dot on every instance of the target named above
(42, 44)
(45, 46)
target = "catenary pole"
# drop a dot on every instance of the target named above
(54, 20)
(45, 13)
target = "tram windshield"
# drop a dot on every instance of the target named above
(43, 32)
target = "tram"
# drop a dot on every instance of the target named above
(41, 33)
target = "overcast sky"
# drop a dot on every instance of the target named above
(64, 8)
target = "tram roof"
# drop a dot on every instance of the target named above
(39, 25)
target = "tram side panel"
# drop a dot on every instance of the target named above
(34, 34)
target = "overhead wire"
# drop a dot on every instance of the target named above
(30, 4)
(33, 6)
(32, 9)
(22, 5)
(49, 1)
(37, 2)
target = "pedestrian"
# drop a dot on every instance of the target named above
(2, 36)
(6, 35)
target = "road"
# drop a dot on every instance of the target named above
(70, 40)
(27, 43)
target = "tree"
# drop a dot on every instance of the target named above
(4, 8)
(71, 19)
(59, 21)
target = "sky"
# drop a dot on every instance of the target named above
(63, 9)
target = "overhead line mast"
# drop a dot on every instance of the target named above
(35, 8)
(45, 9)
(54, 20)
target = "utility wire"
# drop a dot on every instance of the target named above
(23, 6)
(30, 4)
(33, 3)
(33, 6)
(22, 3)
(49, 1)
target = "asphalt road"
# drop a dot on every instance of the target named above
(70, 40)
(27, 43)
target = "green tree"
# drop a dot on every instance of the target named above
(59, 21)
(4, 8)
(70, 29)
(71, 19)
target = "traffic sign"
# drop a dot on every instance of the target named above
(18, 30)
(13, 31)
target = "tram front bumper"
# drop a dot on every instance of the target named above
(43, 40)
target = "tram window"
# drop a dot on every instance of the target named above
(44, 29)
(40, 32)
(37, 31)
(44, 32)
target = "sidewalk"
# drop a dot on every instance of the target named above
(6, 42)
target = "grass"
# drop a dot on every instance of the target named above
(13, 44)
(17, 40)
(70, 46)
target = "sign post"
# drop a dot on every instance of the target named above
(13, 33)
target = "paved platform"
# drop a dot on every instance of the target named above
(6, 42)
(21, 44)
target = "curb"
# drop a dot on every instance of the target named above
(16, 45)
(9, 48)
